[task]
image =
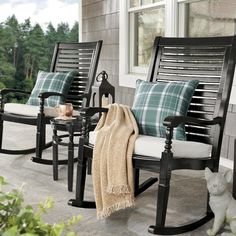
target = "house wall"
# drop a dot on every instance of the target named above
(100, 20)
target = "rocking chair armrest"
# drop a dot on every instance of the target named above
(90, 111)
(18, 91)
(45, 95)
(174, 121)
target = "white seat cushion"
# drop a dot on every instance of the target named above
(29, 110)
(154, 146)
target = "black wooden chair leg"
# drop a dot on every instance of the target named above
(136, 181)
(163, 194)
(55, 155)
(1, 131)
(160, 228)
(162, 202)
(41, 143)
(70, 161)
(80, 180)
(89, 163)
(40, 138)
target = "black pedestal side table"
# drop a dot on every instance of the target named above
(72, 127)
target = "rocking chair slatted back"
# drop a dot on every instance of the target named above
(202, 59)
(81, 57)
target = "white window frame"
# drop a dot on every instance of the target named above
(172, 22)
(182, 33)
(126, 78)
(80, 21)
(132, 68)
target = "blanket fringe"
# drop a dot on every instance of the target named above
(118, 189)
(118, 206)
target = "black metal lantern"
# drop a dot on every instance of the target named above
(103, 93)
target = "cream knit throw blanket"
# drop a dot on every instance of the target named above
(112, 168)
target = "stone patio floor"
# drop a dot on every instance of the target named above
(187, 196)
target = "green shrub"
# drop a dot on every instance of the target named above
(19, 219)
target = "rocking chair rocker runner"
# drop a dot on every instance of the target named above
(79, 57)
(211, 61)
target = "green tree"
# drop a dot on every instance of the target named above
(73, 35)
(62, 32)
(20, 76)
(25, 29)
(25, 49)
(51, 39)
(7, 42)
(34, 52)
(11, 37)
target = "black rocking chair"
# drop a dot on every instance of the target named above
(82, 57)
(212, 62)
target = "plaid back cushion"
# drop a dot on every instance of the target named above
(51, 82)
(153, 102)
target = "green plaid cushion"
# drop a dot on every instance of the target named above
(51, 82)
(153, 102)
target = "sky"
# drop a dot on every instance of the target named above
(41, 11)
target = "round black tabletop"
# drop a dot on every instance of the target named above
(65, 125)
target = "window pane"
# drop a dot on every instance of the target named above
(134, 3)
(137, 3)
(149, 24)
(144, 2)
(211, 18)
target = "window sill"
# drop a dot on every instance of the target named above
(129, 80)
